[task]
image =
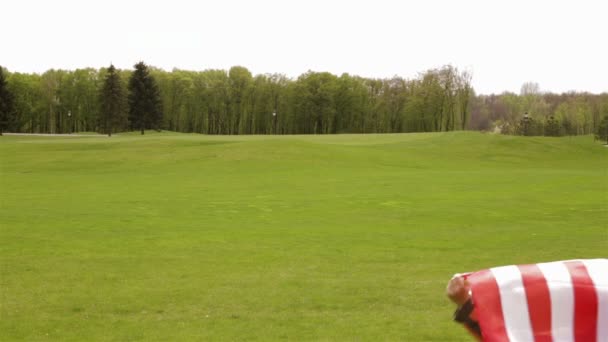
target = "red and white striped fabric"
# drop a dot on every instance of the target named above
(556, 301)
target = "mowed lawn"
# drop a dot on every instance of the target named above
(349, 237)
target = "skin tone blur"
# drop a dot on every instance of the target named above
(458, 290)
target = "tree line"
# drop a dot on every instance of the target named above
(532, 112)
(236, 102)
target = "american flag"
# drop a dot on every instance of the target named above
(555, 301)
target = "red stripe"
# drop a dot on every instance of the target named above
(539, 302)
(486, 298)
(585, 303)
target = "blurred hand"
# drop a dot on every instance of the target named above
(458, 290)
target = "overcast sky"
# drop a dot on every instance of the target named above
(562, 45)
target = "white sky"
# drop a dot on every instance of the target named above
(562, 45)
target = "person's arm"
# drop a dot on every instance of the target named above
(458, 291)
(463, 316)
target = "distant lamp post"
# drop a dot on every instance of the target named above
(69, 122)
(274, 122)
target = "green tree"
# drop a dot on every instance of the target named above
(50, 83)
(465, 93)
(28, 105)
(314, 103)
(112, 103)
(176, 89)
(78, 94)
(527, 126)
(552, 127)
(7, 105)
(351, 96)
(601, 132)
(145, 105)
(240, 80)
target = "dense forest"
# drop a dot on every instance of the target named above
(237, 102)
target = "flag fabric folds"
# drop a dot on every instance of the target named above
(556, 301)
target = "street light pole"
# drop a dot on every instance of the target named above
(69, 122)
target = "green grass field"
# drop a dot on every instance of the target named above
(349, 237)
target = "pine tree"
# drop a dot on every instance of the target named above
(552, 127)
(113, 103)
(145, 106)
(7, 105)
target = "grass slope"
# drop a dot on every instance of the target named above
(349, 237)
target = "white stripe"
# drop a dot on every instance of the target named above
(562, 300)
(598, 271)
(514, 303)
